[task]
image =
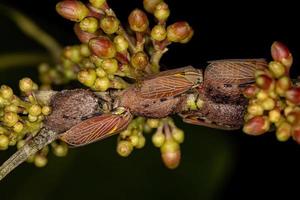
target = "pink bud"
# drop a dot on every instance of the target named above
(293, 95)
(102, 47)
(281, 53)
(250, 91)
(83, 36)
(256, 126)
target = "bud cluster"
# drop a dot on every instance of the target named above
(274, 100)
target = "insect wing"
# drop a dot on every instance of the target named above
(239, 71)
(96, 128)
(170, 83)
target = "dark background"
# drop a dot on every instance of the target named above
(215, 164)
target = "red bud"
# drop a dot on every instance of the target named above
(293, 95)
(72, 10)
(256, 126)
(102, 47)
(281, 53)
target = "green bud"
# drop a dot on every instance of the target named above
(73, 53)
(6, 92)
(138, 20)
(153, 123)
(139, 60)
(158, 33)
(134, 139)
(72, 10)
(170, 152)
(162, 12)
(102, 84)
(87, 77)
(110, 65)
(277, 69)
(32, 118)
(109, 24)
(46, 110)
(40, 160)
(121, 43)
(84, 50)
(26, 85)
(18, 127)
(102, 46)
(4, 141)
(158, 139)
(11, 108)
(100, 72)
(124, 148)
(89, 24)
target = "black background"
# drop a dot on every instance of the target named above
(251, 167)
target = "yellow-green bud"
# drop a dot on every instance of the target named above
(162, 12)
(73, 53)
(89, 24)
(26, 85)
(40, 160)
(124, 148)
(158, 139)
(10, 118)
(6, 92)
(84, 50)
(262, 95)
(4, 141)
(170, 152)
(97, 3)
(32, 118)
(46, 110)
(178, 135)
(255, 109)
(153, 123)
(274, 115)
(18, 127)
(141, 142)
(35, 110)
(277, 69)
(121, 43)
(158, 33)
(268, 104)
(283, 132)
(102, 84)
(110, 65)
(11, 108)
(134, 139)
(60, 150)
(100, 72)
(150, 5)
(109, 24)
(87, 77)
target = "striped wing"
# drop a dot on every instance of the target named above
(96, 128)
(170, 83)
(238, 71)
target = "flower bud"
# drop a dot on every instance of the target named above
(282, 54)
(139, 60)
(150, 5)
(158, 139)
(18, 127)
(141, 142)
(178, 135)
(284, 83)
(162, 11)
(97, 3)
(46, 110)
(283, 132)
(262, 95)
(153, 123)
(3, 142)
(32, 118)
(6, 92)
(84, 50)
(277, 69)
(124, 148)
(170, 153)
(72, 10)
(26, 85)
(87, 77)
(250, 91)
(40, 161)
(73, 53)
(293, 95)
(89, 24)
(110, 65)
(35, 110)
(268, 104)
(256, 126)
(10, 118)
(109, 24)
(274, 115)
(102, 84)
(138, 20)
(264, 82)
(158, 33)
(296, 133)
(102, 47)
(255, 109)
(179, 32)
(83, 36)
(121, 43)
(100, 72)
(60, 150)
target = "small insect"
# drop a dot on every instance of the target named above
(157, 96)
